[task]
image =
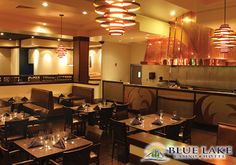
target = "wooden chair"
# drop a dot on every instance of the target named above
(6, 158)
(105, 114)
(185, 134)
(78, 156)
(226, 135)
(121, 111)
(119, 137)
(172, 131)
(70, 121)
(14, 130)
(94, 134)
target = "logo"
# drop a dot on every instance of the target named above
(155, 152)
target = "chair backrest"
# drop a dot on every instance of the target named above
(106, 113)
(43, 98)
(172, 131)
(16, 128)
(93, 134)
(79, 156)
(119, 131)
(226, 135)
(121, 107)
(68, 116)
(84, 92)
(187, 124)
(5, 156)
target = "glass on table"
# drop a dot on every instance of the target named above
(161, 114)
(174, 114)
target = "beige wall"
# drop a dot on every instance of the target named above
(159, 70)
(46, 62)
(15, 61)
(95, 57)
(115, 61)
(137, 52)
(5, 61)
(210, 77)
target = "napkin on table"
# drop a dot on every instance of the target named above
(136, 121)
(96, 108)
(34, 143)
(60, 144)
(157, 122)
(24, 99)
(176, 118)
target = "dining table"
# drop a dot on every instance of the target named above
(4, 117)
(47, 149)
(147, 122)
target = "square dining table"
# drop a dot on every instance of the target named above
(147, 120)
(45, 152)
(19, 116)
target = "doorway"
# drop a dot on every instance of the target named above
(135, 74)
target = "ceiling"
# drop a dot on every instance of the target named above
(31, 18)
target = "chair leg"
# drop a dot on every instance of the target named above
(113, 149)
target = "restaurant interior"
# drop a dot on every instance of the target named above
(117, 82)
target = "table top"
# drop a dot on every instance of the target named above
(147, 121)
(19, 116)
(48, 150)
(91, 107)
(142, 139)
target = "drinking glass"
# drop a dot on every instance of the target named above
(174, 114)
(161, 114)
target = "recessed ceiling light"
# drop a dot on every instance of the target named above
(84, 12)
(10, 39)
(172, 13)
(44, 24)
(1, 34)
(58, 39)
(32, 36)
(45, 4)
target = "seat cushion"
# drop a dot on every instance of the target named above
(35, 109)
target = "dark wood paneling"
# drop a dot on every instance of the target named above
(81, 59)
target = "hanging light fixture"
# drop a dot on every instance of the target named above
(61, 50)
(224, 38)
(116, 14)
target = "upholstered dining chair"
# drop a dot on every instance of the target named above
(14, 130)
(74, 157)
(119, 138)
(7, 160)
(94, 134)
(186, 131)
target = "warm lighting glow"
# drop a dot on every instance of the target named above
(116, 14)
(1, 34)
(172, 13)
(61, 50)
(187, 20)
(224, 38)
(40, 30)
(84, 12)
(45, 4)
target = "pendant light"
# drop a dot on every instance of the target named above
(116, 14)
(224, 38)
(61, 50)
